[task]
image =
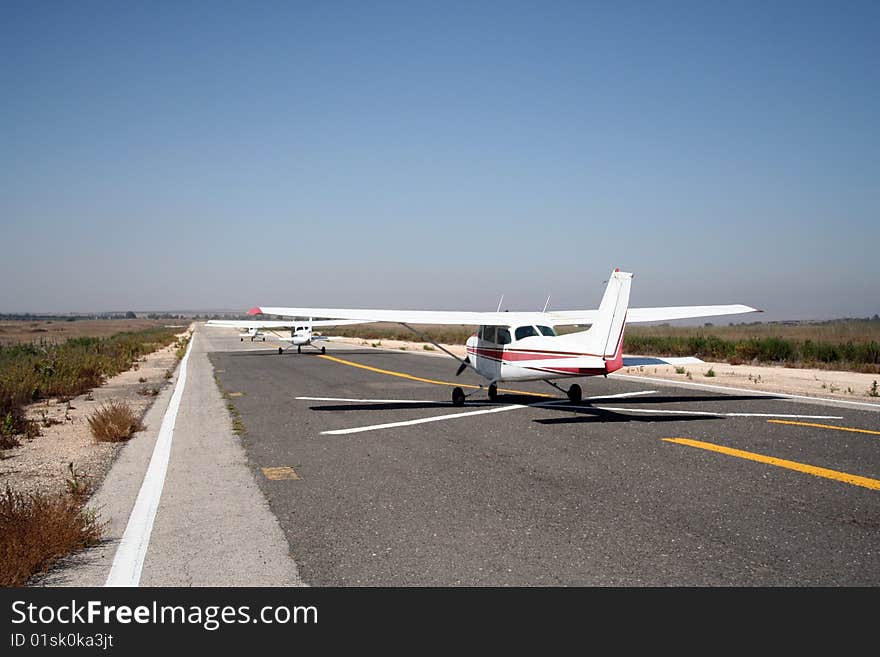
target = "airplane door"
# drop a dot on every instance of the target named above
(487, 358)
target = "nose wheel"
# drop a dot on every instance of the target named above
(323, 350)
(299, 350)
(493, 392)
(575, 395)
(457, 397)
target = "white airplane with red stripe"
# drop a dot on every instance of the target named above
(524, 346)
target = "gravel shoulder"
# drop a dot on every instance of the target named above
(42, 464)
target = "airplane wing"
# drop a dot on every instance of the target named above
(252, 324)
(663, 314)
(465, 318)
(445, 317)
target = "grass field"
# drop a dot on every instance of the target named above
(30, 371)
(16, 331)
(852, 345)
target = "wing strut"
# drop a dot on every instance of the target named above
(465, 362)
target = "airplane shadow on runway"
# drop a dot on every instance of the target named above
(598, 415)
(586, 411)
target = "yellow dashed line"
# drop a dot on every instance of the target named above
(417, 378)
(283, 472)
(235, 394)
(855, 480)
(826, 426)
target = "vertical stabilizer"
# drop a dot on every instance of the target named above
(604, 337)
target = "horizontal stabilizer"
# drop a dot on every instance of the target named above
(637, 361)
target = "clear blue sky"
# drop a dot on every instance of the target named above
(435, 155)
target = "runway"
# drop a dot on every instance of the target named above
(376, 479)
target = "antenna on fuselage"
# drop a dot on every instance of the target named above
(500, 301)
(546, 303)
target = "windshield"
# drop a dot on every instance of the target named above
(525, 332)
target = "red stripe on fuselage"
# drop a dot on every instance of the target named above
(511, 355)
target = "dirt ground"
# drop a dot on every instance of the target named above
(832, 384)
(15, 331)
(42, 464)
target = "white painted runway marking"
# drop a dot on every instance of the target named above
(713, 413)
(560, 403)
(452, 416)
(129, 559)
(438, 418)
(783, 395)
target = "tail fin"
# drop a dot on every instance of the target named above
(604, 337)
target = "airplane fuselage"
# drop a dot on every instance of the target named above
(498, 354)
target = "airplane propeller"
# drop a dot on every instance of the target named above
(464, 364)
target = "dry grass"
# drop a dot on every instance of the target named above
(114, 422)
(38, 529)
(22, 331)
(29, 372)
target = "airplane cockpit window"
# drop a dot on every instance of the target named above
(503, 336)
(547, 330)
(525, 332)
(487, 333)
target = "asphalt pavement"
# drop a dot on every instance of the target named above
(376, 479)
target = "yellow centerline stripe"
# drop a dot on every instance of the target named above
(855, 480)
(826, 426)
(402, 375)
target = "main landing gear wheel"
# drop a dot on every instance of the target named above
(323, 350)
(458, 397)
(574, 394)
(299, 350)
(241, 339)
(280, 351)
(493, 391)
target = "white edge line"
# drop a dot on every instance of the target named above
(673, 382)
(132, 549)
(436, 418)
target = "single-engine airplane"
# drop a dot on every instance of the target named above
(301, 333)
(524, 346)
(252, 333)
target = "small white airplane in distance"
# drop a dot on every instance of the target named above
(301, 333)
(252, 333)
(524, 346)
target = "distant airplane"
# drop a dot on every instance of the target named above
(524, 346)
(301, 333)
